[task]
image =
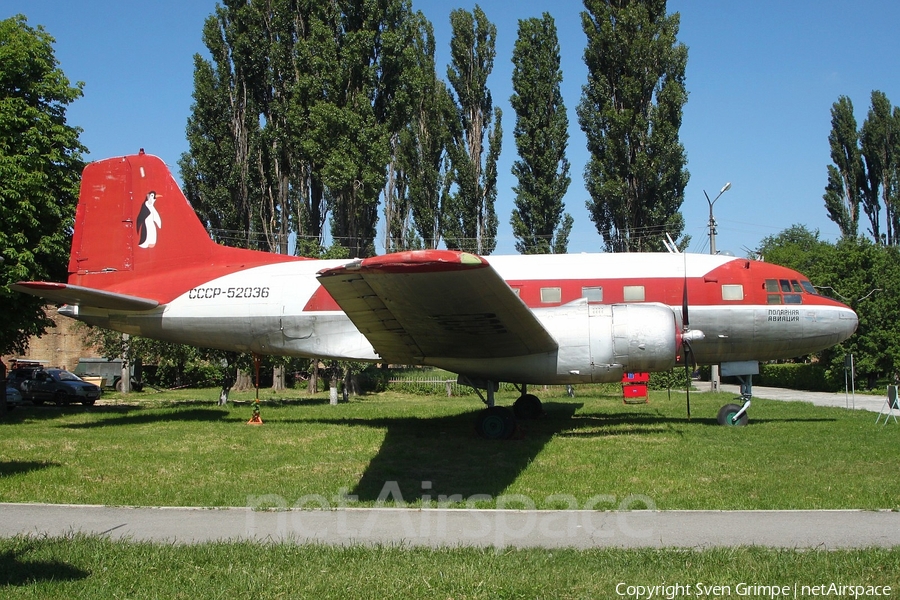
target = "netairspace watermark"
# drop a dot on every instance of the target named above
(746, 590)
(513, 518)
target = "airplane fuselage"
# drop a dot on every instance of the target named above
(594, 306)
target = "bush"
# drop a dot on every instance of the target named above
(812, 377)
(673, 379)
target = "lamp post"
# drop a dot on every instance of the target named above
(714, 369)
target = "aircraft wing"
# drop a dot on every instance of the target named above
(63, 293)
(435, 303)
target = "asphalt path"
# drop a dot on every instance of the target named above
(828, 529)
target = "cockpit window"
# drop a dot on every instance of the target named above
(787, 291)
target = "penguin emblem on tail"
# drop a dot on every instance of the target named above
(148, 221)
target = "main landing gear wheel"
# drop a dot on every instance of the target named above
(726, 416)
(528, 406)
(496, 423)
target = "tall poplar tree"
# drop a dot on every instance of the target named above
(422, 151)
(843, 192)
(541, 138)
(469, 218)
(292, 118)
(880, 138)
(237, 173)
(40, 172)
(631, 110)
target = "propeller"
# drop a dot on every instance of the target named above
(688, 336)
(685, 342)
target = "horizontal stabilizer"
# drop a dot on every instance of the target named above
(63, 293)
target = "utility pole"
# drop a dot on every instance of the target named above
(714, 369)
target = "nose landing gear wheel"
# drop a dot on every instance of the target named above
(496, 423)
(528, 406)
(726, 416)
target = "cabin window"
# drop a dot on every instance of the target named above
(773, 298)
(592, 294)
(808, 287)
(785, 285)
(551, 294)
(793, 299)
(772, 285)
(633, 293)
(516, 291)
(732, 292)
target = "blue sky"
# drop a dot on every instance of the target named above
(761, 77)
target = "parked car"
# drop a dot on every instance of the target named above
(13, 396)
(18, 375)
(59, 386)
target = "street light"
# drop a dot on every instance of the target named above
(712, 220)
(714, 369)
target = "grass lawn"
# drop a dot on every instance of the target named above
(180, 449)
(82, 567)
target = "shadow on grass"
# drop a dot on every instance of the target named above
(14, 571)
(285, 402)
(444, 456)
(628, 423)
(8, 468)
(143, 417)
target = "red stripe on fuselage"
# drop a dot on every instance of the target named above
(702, 291)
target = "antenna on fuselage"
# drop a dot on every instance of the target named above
(670, 245)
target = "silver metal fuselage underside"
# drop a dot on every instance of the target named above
(589, 349)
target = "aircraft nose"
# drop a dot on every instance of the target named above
(847, 322)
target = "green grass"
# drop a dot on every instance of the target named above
(84, 567)
(180, 449)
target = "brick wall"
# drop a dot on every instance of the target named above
(60, 346)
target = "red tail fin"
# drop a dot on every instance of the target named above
(132, 217)
(136, 233)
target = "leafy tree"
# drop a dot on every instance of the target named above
(541, 137)
(880, 141)
(866, 169)
(861, 274)
(796, 247)
(417, 173)
(224, 133)
(469, 218)
(40, 170)
(293, 117)
(845, 177)
(354, 119)
(631, 110)
(422, 152)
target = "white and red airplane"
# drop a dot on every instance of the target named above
(142, 263)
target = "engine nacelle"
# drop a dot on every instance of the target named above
(597, 343)
(637, 337)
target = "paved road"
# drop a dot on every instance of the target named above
(518, 528)
(839, 400)
(453, 528)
